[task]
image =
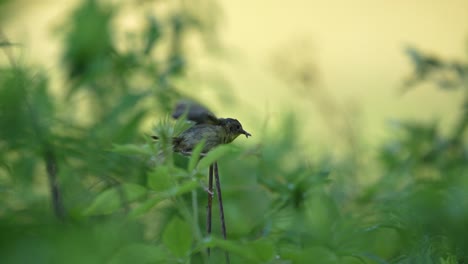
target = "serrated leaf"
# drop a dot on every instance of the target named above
(214, 155)
(111, 200)
(177, 237)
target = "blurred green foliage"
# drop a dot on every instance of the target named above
(79, 182)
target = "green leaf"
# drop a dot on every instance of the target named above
(175, 191)
(184, 188)
(140, 253)
(177, 237)
(263, 249)
(160, 179)
(196, 155)
(237, 248)
(214, 155)
(131, 149)
(153, 33)
(146, 206)
(112, 199)
(259, 251)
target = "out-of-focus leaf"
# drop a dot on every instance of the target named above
(127, 132)
(304, 255)
(124, 105)
(259, 251)
(131, 149)
(147, 205)
(112, 199)
(263, 249)
(14, 118)
(159, 179)
(184, 188)
(177, 237)
(175, 191)
(140, 253)
(196, 155)
(89, 41)
(214, 155)
(153, 34)
(163, 178)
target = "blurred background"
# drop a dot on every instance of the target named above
(357, 111)
(353, 54)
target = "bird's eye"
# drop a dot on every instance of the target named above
(238, 127)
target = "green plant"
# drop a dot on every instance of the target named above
(81, 181)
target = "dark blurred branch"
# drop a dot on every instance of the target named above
(51, 167)
(48, 154)
(49, 157)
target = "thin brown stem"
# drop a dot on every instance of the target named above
(220, 201)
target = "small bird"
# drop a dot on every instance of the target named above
(215, 131)
(224, 132)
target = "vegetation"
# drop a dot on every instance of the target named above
(81, 182)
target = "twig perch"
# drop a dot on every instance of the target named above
(220, 202)
(214, 168)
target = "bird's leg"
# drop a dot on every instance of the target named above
(206, 188)
(210, 192)
(210, 202)
(220, 201)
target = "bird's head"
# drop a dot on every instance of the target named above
(233, 128)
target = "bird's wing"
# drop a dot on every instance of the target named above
(195, 112)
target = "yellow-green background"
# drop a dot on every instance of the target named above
(356, 49)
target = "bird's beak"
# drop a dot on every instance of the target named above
(247, 134)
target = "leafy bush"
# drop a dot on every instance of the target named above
(81, 183)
